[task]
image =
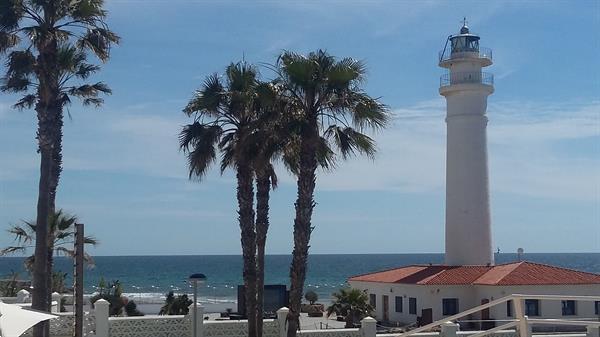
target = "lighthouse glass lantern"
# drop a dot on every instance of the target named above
(464, 42)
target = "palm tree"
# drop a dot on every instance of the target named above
(47, 43)
(269, 141)
(351, 303)
(224, 118)
(332, 110)
(62, 237)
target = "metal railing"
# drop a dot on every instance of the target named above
(466, 77)
(481, 52)
(522, 323)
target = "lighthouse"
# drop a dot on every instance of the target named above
(466, 88)
(428, 292)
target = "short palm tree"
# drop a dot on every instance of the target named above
(224, 118)
(47, 43)
(351, 303)
(62, 237)
(332, 111)
(175, 305)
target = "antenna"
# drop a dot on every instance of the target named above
(520, 252)
(464, 21)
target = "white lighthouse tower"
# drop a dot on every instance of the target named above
(466, 88)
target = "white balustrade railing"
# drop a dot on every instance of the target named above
(522, 323)
(98, 324)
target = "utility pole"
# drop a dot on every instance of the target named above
(78, 281)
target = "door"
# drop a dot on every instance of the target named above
(486, 320)
(426, 316)
(386, 308)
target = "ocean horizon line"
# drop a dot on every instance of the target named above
(312, 254)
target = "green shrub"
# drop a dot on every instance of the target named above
(311, 297)
(175, 305)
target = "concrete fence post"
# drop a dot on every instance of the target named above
(282, 320)
(199, 320)
(449, 329)
(593, 331)
(101, 315)
(55, 302)
(22, 296)
(368, 327)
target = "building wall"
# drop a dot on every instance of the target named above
(549, 308)
(427, 297)
(431, 296)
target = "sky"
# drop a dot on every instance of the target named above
(125, 178)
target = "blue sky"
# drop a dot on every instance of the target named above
(126, 180)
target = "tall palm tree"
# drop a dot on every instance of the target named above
(333, 111)
(224, 118)
(269, 141)
(61, 239)
(351, 303)
(47, 43)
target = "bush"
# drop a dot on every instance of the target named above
(176, 305)
(112, 293)
(131, 309)
(311, 297)
(10, 287)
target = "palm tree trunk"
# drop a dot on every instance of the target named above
(48, 110)
(245, 196)
(302, 224)
(40, 271)
(55, 172)
(263, 186)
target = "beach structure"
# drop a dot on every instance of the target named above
(469, 277)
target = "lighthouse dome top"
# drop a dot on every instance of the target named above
(464, 29)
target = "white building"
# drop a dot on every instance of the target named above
(469, 277)
(429, 293)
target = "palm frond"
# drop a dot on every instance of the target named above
(350, 141)
(13, 250)
(8, 41)
(26, 102)
(199, 142)
(11, 13)
(368, 112)
(22, 235)
(88, 11)
(98, 41)
(208, 99)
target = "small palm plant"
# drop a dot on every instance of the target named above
(351, 303)
(176, 305)
(61, 233)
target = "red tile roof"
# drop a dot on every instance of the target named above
(510, 274)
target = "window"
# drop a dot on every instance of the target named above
(597, 308)
(532, 307)
(412, 305)
(398, 304)
(373, 300)
(509, 306)
(568, 308)
(449, 306)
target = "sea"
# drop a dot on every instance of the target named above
(147, 279)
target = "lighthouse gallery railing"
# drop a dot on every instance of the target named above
(466, 77)
(480, 52)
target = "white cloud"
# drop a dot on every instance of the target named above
(523, 139)
(524, 158)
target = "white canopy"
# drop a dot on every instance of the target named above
(14, 320)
